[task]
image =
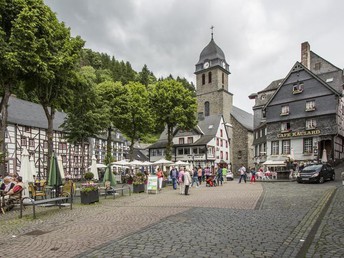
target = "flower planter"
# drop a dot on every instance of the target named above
(89, 197)
(140, 188)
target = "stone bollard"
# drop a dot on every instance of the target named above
(343, 177)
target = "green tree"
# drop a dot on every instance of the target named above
(84, 116)
(173, 106)
(134, 119)
(49, 54)
(113, 96)
(11, 68)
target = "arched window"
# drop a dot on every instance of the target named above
(223, 78)
(206, 108)
(209, 77)
(203, 79)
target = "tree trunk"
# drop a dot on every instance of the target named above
(82, 158)
(108, 158)
(168, 155)
(131, 149)
(50, 133)
(3, 119)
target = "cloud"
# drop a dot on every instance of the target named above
(260, 38)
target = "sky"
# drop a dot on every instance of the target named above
(261, 39)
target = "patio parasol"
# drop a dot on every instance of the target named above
(25, 171)
(54, 178)
(163, 162)
(181, 163)
(94, 168)
(109, 176)
(59, 162)
(324, 156)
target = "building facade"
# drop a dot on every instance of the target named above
(27, 128)
(303, 117)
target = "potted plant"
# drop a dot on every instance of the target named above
(89, 191)
(139, 180)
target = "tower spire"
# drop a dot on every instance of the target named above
(212, 32)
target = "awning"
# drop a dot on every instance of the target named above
(274, 163)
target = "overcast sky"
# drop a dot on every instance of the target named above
(260, 38)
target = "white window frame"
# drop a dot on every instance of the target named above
(286, 147)
(307, 145)
(310, 105)
(275, 148)
(284, 127)
(311, 124)
(297, 88)
(285, 110)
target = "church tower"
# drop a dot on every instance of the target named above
(212, 71)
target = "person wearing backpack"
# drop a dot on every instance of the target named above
(174, 177)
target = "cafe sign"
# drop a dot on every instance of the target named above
(298, 134)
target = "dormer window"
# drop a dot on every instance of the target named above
(285, 127)
(310, 105)
(181, 140)
(285, 110)
(297, 88)
(311, 124)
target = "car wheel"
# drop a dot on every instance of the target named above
(321, 180)
(333, 177)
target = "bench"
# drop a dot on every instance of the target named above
(112, 190)
(58, 201)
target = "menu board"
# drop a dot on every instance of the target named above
(152, 185)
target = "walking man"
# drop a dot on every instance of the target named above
(174, 177)
(242, 171)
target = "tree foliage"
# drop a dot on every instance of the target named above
(173, 106)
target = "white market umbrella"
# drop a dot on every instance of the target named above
(147, 163)
(181, 163)
(163, 162)
(33, 167)
(60, 164)
(94, 168)
(25, 171)
(324, 156)
(136, 163)
(122, 162)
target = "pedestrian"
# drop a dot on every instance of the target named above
(187, 181)
(181, 180)
(219, 175)
(224, 173)
(194, 177)
(207, 172)
(253, 176)
(174, 177)
(199, 175)
(160, 175)
(242, 171)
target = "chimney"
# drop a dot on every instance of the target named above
(306, 55)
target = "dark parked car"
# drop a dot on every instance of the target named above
(316, 173)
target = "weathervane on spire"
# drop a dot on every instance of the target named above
(212, 31)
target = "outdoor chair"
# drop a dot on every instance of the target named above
(35, 193)
(68, 188)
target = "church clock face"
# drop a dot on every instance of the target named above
(206, 65)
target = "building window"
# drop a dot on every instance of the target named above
(223, 78)
(187, 151)
(217, 141)
(307, 145)
(310, 105)
(209, 77)
(226, 143)
(181, 140)
(221, 155)
(239, 154)
(221, 132)
(23, 142)
(311, 124)
(203, 79)
(297, 88)
(206, 108)
(31, 142)
(45, 144)
(64, 159)
(27, 129)
(274, 148)
(221, 143)
(261, 133)
(190, 139)
(286, 147)
(180, 151)
(194, 150)
(226, 155)
(285, 127)
(285, 110)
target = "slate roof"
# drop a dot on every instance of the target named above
(27, 113)
(211, 52)
(243, 117)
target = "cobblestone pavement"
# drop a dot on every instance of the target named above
(235, 220)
